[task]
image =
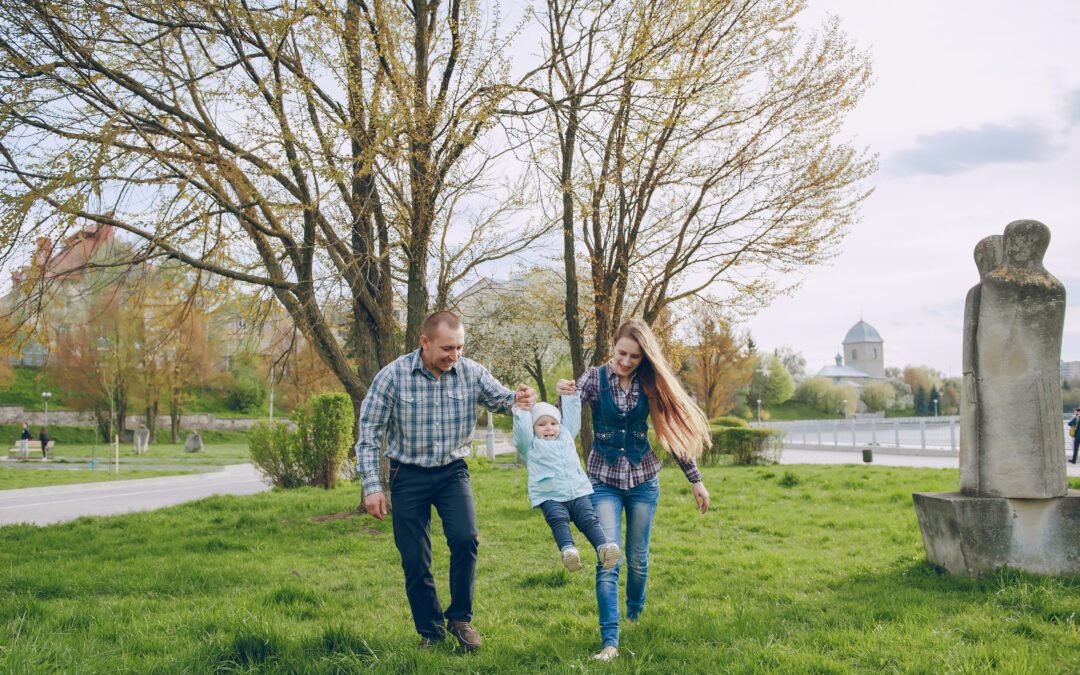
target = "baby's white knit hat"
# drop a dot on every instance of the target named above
(541, 409)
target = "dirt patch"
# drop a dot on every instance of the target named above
(340, 515)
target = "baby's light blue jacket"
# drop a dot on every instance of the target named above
(554, 467)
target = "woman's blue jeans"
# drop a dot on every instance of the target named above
(639, 503)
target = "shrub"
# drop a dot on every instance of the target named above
(745, 445)
(324, 426)
(246, 392)
(273, 450)
(315, 452)
(748, 446)
(728, 421)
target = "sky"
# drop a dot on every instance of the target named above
(975, 118)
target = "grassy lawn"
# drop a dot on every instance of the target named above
(794, 569)
(11, 479)
(164, 451)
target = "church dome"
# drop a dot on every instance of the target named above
(862, 332)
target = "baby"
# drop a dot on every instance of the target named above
(557, 483)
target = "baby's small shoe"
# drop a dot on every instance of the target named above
(609, 555)
(606, 654)
(571, 558)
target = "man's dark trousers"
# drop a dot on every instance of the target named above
(413, 491)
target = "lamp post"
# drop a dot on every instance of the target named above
(845, 408)
(46, 395)
(935, 407)
(759, 412)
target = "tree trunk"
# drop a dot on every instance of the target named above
(151, 420)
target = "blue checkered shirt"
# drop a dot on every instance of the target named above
(426, 420)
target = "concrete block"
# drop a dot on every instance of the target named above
(973, 536)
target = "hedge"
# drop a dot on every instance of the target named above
(72, 435)
(745, 445)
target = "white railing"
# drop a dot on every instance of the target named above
(926, 433)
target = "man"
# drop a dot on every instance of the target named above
(425, 403)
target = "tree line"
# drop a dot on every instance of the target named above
(377, 154)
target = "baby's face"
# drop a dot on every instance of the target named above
(547, 428)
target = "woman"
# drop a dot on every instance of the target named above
(24, 440)
(44, 438)
(622, 465)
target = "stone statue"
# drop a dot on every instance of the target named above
(989, 254)
(193, 442)
(1012, 406)
(1014, 507)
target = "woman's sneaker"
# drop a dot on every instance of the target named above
(606, 654)
(609, 555)
(571, 558)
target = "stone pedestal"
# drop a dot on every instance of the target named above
(974, 536)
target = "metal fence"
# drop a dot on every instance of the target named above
(927, 433)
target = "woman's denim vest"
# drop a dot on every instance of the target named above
(617, 433)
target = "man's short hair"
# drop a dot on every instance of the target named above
(440, 318)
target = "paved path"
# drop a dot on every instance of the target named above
(61, 503)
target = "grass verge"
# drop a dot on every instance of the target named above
(170, 451)
(13, 479)
(793, 569)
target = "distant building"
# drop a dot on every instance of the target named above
(1070, 370)
(864, 351)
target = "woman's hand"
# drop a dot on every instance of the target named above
(701, 495)
(565, 387)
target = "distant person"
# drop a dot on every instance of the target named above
(424, 405)
(24, 441)
(1074, 431)
(44, 438)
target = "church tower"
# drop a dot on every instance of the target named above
(864, 349)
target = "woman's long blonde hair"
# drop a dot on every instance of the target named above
(679, 423)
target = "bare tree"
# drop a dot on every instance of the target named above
(696, 149)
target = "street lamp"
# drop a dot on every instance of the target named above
(845, 408)
(46, 395)
(935, 407)
(759, 412)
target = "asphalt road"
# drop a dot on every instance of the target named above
(61, 503)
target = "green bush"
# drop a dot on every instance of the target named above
(245, 393)
(312, 454)
(324, 427)
(72, 435)
(728, 421)
(745, 445)
(273, 449)
(749, 446)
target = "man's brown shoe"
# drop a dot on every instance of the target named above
(465, 634)
(426, 643)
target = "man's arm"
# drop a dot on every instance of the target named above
(493, 395)
(373, 419)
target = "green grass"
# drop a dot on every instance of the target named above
(794, 569)
(11, 479)
(162, 451)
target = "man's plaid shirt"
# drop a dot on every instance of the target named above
(427, 421)
(622, 474)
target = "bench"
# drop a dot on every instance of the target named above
(34, 449)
